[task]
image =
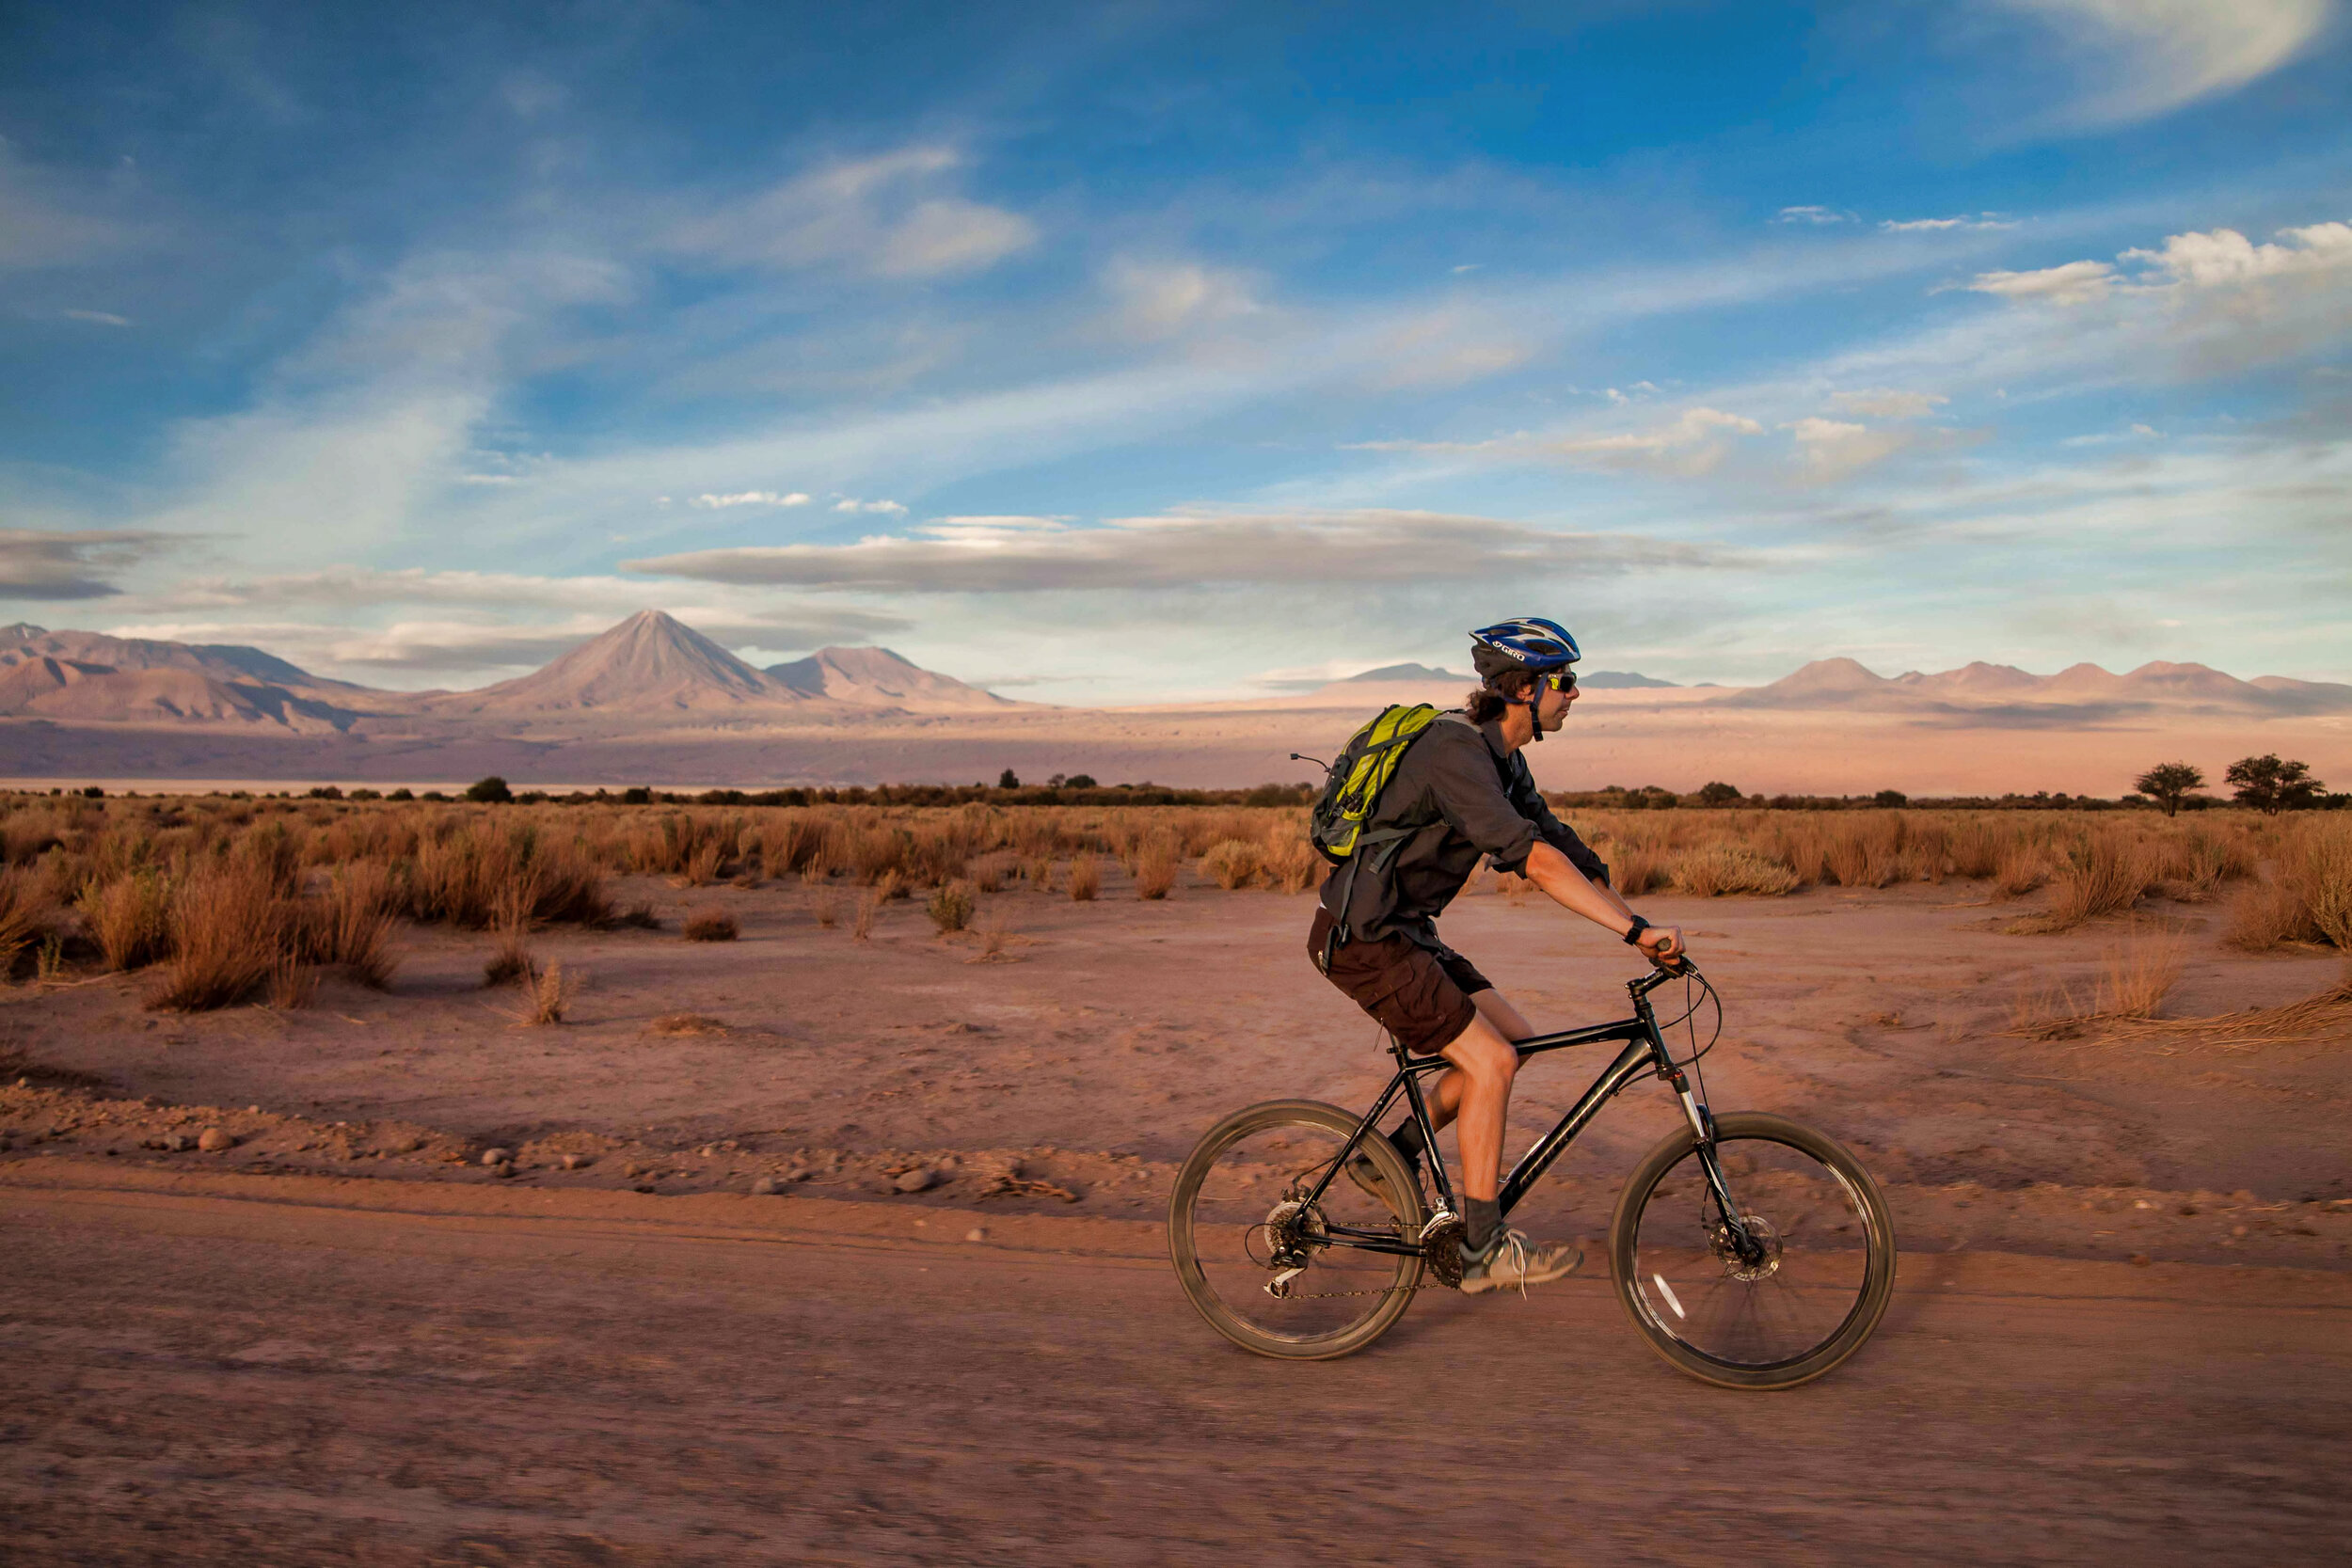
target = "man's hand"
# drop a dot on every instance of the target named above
(1661, 945)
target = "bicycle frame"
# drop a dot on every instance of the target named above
(1644, 1052)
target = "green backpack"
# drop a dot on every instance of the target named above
(1350, 794)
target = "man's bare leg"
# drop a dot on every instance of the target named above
(1483, 1065)
(1445, 1095)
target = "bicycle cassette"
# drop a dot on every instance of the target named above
(1284, 1223)
(1442, 1249)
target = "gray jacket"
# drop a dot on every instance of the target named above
(1466, 795)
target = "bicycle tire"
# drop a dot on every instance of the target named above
(1877, 1263)
(1185, 1229)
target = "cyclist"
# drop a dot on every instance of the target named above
(1463, 791)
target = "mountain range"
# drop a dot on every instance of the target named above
(2079, 693)
(649, 668)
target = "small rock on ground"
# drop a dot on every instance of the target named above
(497, 1156)
(921, 1178)
(978, 1233)
(767, 1187)
(214, 1140)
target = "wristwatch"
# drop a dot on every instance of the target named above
(1633, 933)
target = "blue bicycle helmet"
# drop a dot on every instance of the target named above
(1531, 643)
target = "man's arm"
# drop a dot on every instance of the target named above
(1550, 870)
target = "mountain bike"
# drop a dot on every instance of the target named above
(1750, 1251)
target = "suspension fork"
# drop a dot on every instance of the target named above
(1703, 1137)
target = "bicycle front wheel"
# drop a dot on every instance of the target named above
(1275, 1271)
(1801, 1297)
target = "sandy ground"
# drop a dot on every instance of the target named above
(1675, 738)
(2118, 1328)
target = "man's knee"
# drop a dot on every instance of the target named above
(1481, 1052)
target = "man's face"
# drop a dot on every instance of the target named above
(1551, 707)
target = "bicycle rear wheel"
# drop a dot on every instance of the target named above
(1273, 1273)
(1797, 1306)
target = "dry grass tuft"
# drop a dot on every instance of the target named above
(548, 996)
(512, 959)
(2139, 973)
(889, 885)
(1230, 863)
(130, 919)
(1636, 869)
(1156, 860)
(352, 925)
(711, 925)
(1716, 869)
(291, 983)
(825, 908)
(862, 926)
(227, 927)
(1086, 880)
(687, 1023)
(950, 906)
(995, 936)
(2020, 869)
(640, 916)
(23, 918)
(2104, 874)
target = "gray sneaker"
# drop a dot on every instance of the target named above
(1510, 1258)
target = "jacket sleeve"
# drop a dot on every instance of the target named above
(1531, 803)
(1468, 793)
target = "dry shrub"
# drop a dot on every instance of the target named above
(512, 959)
(2308, 898)
(548, 996)
(2265, 915)
(1636, 870)
(862, 926)
(994, 938)
(950, 906)
(2105, 873)
(2139, 973)
(640, 916)
(1716, 869)
(228, 924)
(130, 919)
(701, 868)
(1086, 880)
(1289, 864)
(687, 1023)
(1155, 867)
(992, 871)
(889, 885)
(1973, 850)
(824, 907)
(1231, 863)
(292, 982)
(711, 925)
(2020, 869)
(1040, 872)
(1864, 850)
(352, 925)
(23, 918)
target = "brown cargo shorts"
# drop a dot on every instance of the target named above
(1421, 997)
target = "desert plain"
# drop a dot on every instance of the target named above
(838, 1236)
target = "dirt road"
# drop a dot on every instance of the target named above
(279, 1370)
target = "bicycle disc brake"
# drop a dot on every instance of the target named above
(1761, 1232)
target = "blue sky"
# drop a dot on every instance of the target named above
(1133, 352)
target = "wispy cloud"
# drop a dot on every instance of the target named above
(1028, 555)
(1818, 216)
(2139, 58)
(1937, 226)
(1693, 442)
(749, 497)
(887, 215)
(41, 564)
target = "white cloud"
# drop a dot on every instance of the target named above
(1932, 225)
(1182, 552)
(851, 504)
(1885, 402)
(99, 318)
(2071, 283)
(2227, 257)
(1831, 449)
(878, 214)
(2139, 58)
(748, 498)
(1818, 215)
